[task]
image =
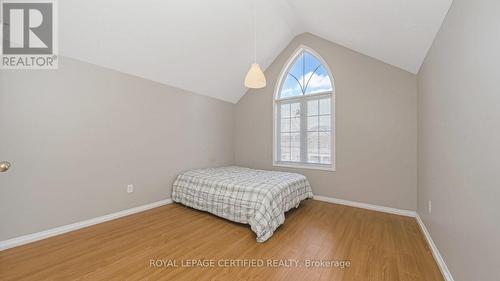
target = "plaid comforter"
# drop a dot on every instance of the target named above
(255, 197)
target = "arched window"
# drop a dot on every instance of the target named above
(304, 113)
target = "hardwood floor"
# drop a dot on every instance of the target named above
(378, 246)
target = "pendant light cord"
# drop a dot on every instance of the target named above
(255, 32)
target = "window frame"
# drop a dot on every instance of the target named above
(277, 101)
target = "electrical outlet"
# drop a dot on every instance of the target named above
(429, 206)
(130, 188)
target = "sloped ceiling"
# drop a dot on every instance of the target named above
(207, 46)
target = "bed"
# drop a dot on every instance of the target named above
(256, 197)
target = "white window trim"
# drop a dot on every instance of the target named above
(276, 101)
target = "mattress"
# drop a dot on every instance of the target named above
(256, 197)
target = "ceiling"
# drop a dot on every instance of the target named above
(207, 46)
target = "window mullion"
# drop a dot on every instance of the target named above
(319, 131)
(303, 131)
(278, 132)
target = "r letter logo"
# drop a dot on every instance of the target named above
(29, 35)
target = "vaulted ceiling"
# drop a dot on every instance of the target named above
(207, 46)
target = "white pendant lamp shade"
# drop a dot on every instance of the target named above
(255, 78)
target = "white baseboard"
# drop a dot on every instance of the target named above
(401, 212)
(25, 239)
(435, 252)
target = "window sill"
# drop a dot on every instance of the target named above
(302, 166)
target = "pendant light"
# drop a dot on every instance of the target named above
(255, 78)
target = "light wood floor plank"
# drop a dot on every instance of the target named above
(379, 246)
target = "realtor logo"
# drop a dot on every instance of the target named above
(28, 34)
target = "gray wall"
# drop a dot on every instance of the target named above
(459, 140)
(375, 122)
(78, 135)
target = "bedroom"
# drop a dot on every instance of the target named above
(143, 143)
